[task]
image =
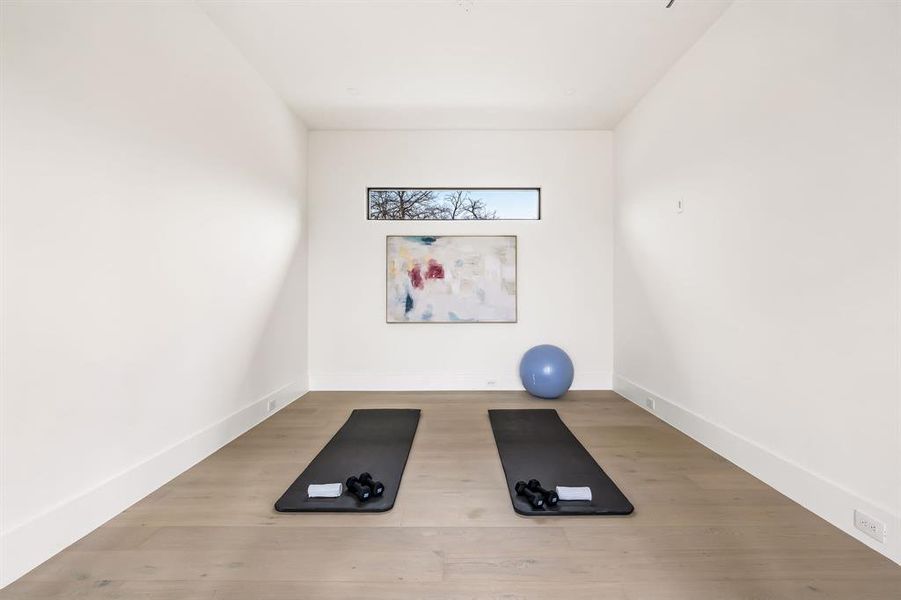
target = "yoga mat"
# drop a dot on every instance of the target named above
(373, 440)
(536, 444)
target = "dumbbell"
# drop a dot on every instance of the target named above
(376, 486)
(536, 500)
(550, 496)
(358, 489)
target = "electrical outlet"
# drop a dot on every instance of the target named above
(650, 403)
(871, 526)
(272, 404)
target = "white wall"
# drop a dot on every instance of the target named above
(765, 316)
(564, 260)
(153, 259)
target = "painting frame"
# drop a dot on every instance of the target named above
(515, 246)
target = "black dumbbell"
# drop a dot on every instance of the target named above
(550, 496)
(375, 486)
(362, 492)
(536, 500)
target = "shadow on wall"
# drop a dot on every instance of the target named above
(662, 351)
(280, 354)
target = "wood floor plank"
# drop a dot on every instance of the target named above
(702, 530)
(338, 539)
(653, 564)
(352, 562)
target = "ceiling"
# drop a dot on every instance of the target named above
(463, 64)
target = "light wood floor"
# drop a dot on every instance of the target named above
(703, 529)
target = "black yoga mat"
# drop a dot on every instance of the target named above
(374, 440)
(536, 444)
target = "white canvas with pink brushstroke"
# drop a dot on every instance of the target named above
(451, 279)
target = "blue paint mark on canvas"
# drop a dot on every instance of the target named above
(408, 304)
(452, 316)
(422, 239)
(427, 314)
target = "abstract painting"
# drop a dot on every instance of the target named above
(451, 279)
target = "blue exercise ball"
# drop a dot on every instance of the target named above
(546, 371)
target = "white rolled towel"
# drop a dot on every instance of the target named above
(574, 493)
(324, 490)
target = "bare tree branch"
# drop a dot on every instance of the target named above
(405, 205)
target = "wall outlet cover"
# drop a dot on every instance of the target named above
(871, 526)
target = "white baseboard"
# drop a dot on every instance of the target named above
(440, 381)
(27, 545)
(821, 496)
